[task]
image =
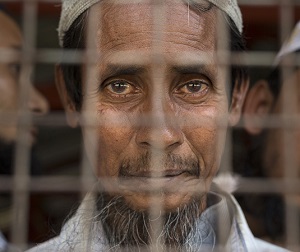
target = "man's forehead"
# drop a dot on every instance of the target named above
(141, 58)
(71, 10)
(134, 25)
(150, 6)
(201, 5)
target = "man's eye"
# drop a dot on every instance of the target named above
(120, 87)
(194, 87)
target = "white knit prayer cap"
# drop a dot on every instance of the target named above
(291, 45)
(71, 9)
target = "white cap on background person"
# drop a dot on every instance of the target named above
(292, 44)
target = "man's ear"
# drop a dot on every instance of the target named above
(257, 105)
(237, 101)
(69, 106)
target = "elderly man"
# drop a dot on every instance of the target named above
(154, 103)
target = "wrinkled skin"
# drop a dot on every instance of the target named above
(150, 95)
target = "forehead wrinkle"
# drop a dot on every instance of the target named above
(131, 25)
(141, 57)
(198, 33)
(114, 23)
(141, 62)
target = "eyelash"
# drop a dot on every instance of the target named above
(196, 94)
(203, 84)
(111, 93)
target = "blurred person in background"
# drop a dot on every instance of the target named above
(259, 152)
(11, 39)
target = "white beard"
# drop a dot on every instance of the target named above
(129, 230)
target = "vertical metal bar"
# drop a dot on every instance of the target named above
(289, 108)
(224, 78)
(156, 212)
(89, 120)
(223, 58)
(22, 163)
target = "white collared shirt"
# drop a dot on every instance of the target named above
(79, 233)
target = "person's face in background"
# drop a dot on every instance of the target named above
(275, 148)
(261, 103)
(11, 38)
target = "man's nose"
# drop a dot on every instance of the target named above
(37, 103)
(158, 129)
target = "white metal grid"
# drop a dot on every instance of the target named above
(21, 184)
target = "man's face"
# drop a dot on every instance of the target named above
(275, 148)
(160, 104)
(11, 39)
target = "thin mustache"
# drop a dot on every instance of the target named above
(170, 162)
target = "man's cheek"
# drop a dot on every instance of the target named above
(114, 135)
(207, 143)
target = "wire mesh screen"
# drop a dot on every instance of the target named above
(140, 127)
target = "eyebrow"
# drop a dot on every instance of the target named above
(115, 70)
(187, 69)
(194, 69)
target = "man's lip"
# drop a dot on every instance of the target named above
(155, 184)
(155, 174)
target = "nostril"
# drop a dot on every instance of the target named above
(38, 109)
(164, 139)
(38, 104)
